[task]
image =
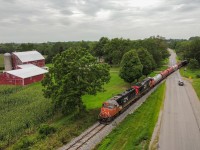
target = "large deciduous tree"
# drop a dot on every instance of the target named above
(131, 67)
(146, 60)
(157, 47)
(115, 49)
(99, 48)
(75, 72)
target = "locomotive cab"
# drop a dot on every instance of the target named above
(109, 109)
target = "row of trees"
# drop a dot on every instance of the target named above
(49, 49)
(111, 50)
(188, 49)
(136, 63)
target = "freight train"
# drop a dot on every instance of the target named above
(117, 104)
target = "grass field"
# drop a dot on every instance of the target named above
(115, 86)
(136, 130)
(192, 74)
(1, 59)
(1, 62)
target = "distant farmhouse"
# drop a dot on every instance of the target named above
(22, 68)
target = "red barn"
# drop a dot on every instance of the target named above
(28, 57)
(26, 75)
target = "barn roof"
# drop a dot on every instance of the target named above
(26, 66)
(27, 72)
(28, 56)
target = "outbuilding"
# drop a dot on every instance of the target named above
(28, 57)
(26, 75)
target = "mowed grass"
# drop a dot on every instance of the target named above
(192, 74)
(114, 87)
(136, 130)
(1, 62)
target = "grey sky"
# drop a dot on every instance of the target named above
(73, 20)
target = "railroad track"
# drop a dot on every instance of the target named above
(96, 133)
(86, 137)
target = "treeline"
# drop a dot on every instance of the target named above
(188, 49)
(108, 50)
(49, 49)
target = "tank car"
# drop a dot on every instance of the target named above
(156, 79)
(170, 70)
(164, 73)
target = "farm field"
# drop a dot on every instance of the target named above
(25, 109)
(22, 108)
(136, 130)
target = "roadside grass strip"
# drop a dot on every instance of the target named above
(136, 130)
(193, 76)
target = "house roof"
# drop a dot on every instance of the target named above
(27, 72)
(28, 56)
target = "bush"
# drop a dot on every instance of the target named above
(24, 143)
(193, 64)
(45, 130)
(198, 76)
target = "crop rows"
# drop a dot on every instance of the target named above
(21, 108)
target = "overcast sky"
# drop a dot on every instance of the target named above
(73, 20)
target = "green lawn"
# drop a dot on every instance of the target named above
(192, 74)
(136, 130)
(1, 62)
(49, 65)
(1, 59)
(115, 86)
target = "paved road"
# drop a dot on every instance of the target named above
(180, 125)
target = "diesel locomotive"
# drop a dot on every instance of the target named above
(117, 104)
